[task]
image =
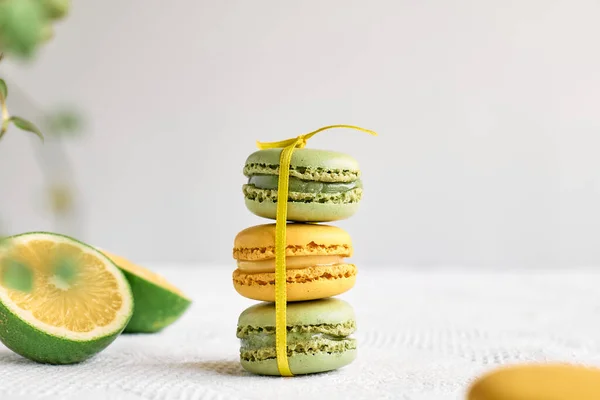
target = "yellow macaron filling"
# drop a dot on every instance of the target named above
(299, 262)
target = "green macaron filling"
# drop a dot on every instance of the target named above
(338, 330)
(263, 347)
(271, 182)
(258, 343)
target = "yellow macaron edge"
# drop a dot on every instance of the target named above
(309, 283)
(538, 382)
(258, 242)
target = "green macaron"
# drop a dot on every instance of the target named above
(324, 185)
(318, 337)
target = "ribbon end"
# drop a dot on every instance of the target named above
(300, 141)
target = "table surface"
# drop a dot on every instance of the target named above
(422, 335)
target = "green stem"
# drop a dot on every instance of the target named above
(5, 116)
(54, 164)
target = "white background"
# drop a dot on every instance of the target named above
(488, 111)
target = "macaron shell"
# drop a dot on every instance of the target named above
(304, 158)
(258, 242)
(318, 312)
(538, 382)
(311, 283)
(304, 212)
(301, 364)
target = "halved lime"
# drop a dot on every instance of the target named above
(158, 303)
(61, 301)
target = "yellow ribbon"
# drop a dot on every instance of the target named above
(288, 146)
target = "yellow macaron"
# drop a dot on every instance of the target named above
(315, 260)
(538, 382)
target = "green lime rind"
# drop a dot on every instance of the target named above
(155, 307)
(33, 343)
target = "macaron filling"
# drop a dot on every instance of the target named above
(303, 172)
(271, 182)
(258, 343)
(299, 262)
(342, 329)
(253, 193)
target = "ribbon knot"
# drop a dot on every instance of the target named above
(288, 146)
(301, 142)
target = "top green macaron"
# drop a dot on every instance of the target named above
(318, 337)
(324, 185)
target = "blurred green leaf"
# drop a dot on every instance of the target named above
(17, 275)
(47, 33)
(21, 25)
(65, 122)
(3, 89)
(61, 198)
(56, 9)
(25, 125)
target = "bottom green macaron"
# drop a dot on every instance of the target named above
(318, 337)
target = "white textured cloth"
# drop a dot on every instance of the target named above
(422, 335)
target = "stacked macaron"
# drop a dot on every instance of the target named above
(324, 186)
